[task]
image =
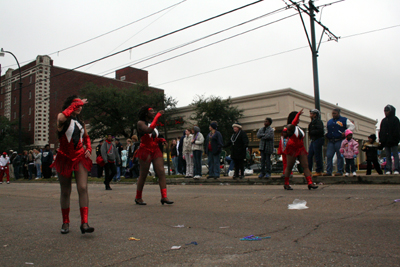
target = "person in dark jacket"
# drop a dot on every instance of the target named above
(266, 147)
(239, 142)
(47, 160)
(181, 161)
(316, 133)
(389, 137)
(111, 157)
(98, 153)
(213, 147)
(371, 150)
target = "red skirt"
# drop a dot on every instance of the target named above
(65, 166)
(148, 154)
(295, 150)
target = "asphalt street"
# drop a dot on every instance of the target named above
(344, 225)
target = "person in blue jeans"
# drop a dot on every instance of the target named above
(316, 133)
(266, 147)
(336, 128)
(213, 147)
(389, 137)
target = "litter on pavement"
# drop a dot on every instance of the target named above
(298, 205)
(254, 238)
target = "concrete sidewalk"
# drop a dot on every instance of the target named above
(297, 179)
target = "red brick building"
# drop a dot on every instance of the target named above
(44, 90)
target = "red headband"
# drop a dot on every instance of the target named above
(149, 109)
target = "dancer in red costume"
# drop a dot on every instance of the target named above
(295, 149)
(73, 156)
(149, 152)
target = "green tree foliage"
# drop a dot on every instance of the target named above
(215, 109)
(8, 135)
(114, 110)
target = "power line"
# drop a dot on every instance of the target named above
(154, 39)
(110, 71)
(222, 40)
(280, 53)
(101, 35)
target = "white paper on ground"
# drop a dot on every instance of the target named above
(175, 247)
(298, 205)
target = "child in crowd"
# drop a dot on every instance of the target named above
(282, 149)
(349, 150)
(371, 150)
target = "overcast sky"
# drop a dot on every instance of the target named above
(360, 72)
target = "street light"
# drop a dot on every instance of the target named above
(20, 100)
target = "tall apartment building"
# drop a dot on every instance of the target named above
(44, 90)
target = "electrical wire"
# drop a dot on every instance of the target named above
(156, 38)
(101, 35)
(280, 53)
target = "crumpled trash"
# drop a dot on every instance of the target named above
(298, 205)
(254, 238)
(194, 243)
(133, 239)
(176, 247)
(179, 226)
(397, 200)
(224, 227)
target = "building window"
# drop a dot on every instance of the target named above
(1, 104)
(15, 115)
(30, 94)
(30, 110)
(15, 100)
(29, 127)
(30, 79)
(1, 91)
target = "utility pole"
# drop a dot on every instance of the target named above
(313, 44)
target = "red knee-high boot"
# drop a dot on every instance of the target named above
(310, 183)
(164, 197)
(84, 214)
(138, 194)
(164, 193)
(65, 215)
(287, 186)
(84, 221)
(286, 180)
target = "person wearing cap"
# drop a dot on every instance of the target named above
(371, 150)
(266, 147)
(349, 151)
(389, 137)
(73, 156)
(336, 128)
(213, 147)
(4, 167)
(198, 141)
(316, 133)
(239, 142)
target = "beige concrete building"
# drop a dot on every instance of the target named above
(277, 105)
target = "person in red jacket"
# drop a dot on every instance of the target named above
(73, 156)
(295, 149)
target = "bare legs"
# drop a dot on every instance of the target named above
(81, 177)
(304, 163)
(158, 165)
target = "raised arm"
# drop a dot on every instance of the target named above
(296, 119)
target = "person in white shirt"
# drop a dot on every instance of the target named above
(4, 167)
